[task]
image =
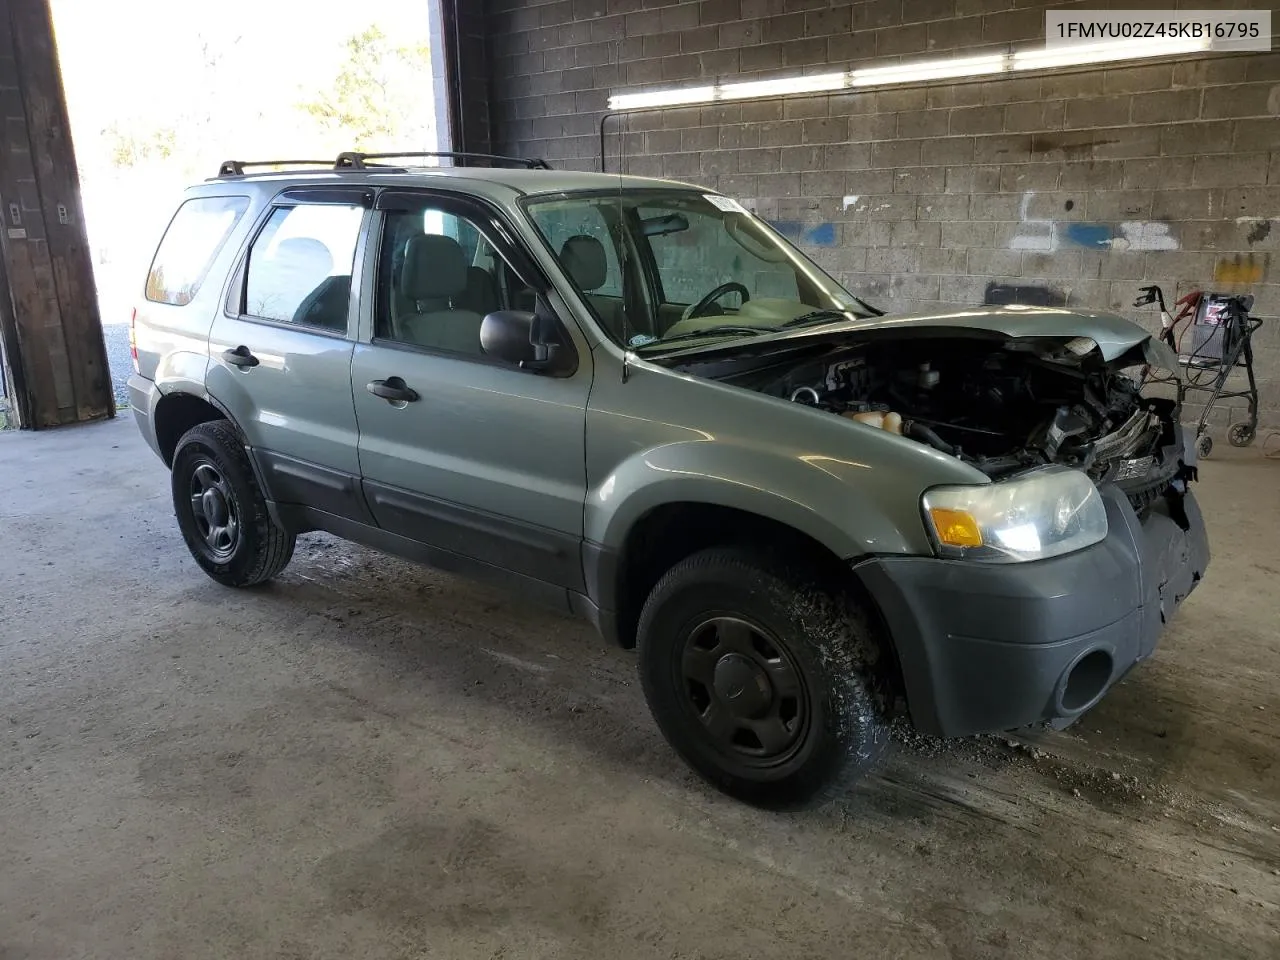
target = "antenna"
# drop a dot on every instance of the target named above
(624, 255)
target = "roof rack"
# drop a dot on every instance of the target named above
(360, 161)
(235, 168)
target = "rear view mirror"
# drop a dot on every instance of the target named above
(517, 337)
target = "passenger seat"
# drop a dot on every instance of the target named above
(434, 277)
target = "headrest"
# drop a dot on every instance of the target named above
(583, 259)
(304, 253)
(435, 268)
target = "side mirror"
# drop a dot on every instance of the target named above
(515, 336)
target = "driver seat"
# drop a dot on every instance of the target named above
(434, 277)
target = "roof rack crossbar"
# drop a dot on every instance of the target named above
(236, 168)
(359, 161)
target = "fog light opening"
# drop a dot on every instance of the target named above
(1087, 680)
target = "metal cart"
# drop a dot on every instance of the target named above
(1214, 340)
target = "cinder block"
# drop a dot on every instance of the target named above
(1138, 79)
(919, 180)
(781, 133)
(717, 162)
(1007, 148)
(802, 158)
(1060, 263)
(1242, 100)
(940, 262)
(909, 233)
(737, 136)
(847, 156)
(914, 287)
(967, 234)
(1015, 177)
(1179, 205)
(895, 153)
(943, 206)
(998, 206)
(764, 160)
(829, 130)
(1251, 202)
(1253, 135)
(700, 138)
(962, 33)
(902, 40)
(1157, 171)
(1168, 106)
(1119, 205)
(779, 184)
(1195, 139)
(1092, 175)
(1093, 112)
(986, 262)
(1089, 294)
(947, 150)
(873, 128)
(962, 289)
(974, 120)
(893, 260)
(829, 22)
(822, 183)
(1220, 171)
(1035, 116)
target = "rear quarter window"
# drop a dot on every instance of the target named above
(195, 235)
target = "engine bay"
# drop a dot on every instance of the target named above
(1002, 406)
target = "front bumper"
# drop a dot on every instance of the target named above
(985, 647)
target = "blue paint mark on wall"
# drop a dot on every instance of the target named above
(815, 235)
(823, 235)
(1092, 235)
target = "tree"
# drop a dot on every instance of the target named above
(377, 94)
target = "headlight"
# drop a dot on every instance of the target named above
(1041, 514)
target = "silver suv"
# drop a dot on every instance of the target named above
(634, 400)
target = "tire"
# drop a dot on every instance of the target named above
(1204, 446)
(762, 678)
(214, 489)
(1241, 434)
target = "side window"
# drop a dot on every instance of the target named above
(438, 277)
(300, 265)
(195, 235)
(692, 262)
(579, 236)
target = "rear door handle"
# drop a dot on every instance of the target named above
(393, 389)
(240, 357)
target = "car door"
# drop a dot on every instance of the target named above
(477, 458)
(280, 350)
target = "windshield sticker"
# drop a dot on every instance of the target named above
(724, 204)
(640, 340)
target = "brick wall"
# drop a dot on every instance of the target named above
(1072, 188)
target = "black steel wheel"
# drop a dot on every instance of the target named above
(745, 688)
(763, 677)
(213, 509)
(220, 510)
(1204, 446)
(1241, 434)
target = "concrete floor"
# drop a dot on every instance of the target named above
(369, 759)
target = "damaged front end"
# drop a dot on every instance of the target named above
(1003, 405)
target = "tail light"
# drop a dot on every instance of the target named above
(133, 338)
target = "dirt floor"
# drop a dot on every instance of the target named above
(370, 759)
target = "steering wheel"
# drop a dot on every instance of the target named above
(731, 287)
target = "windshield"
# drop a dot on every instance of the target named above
(665, 266)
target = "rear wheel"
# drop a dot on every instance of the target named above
(762, 678)
(1241, 434)
(221, 512)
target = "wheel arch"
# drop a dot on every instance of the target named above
(176, 413)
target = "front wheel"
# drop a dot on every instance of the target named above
(762, 679)
(221, 512)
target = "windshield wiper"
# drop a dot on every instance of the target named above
(814, 316)
(720, 330)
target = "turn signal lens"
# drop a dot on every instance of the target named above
(956, 528)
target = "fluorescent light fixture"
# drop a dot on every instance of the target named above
(1080, 54)
(814, 83)
(662, 98)
(899, 73)
(936, 70)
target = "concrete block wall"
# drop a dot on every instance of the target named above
(1072, 188)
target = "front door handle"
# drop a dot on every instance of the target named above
(393, 389)
(240, 357)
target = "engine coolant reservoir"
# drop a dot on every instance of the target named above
(891, 421)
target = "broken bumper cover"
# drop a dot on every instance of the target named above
(986, 647)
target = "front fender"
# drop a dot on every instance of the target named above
(824, 497)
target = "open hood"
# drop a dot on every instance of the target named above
(1115, 336)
